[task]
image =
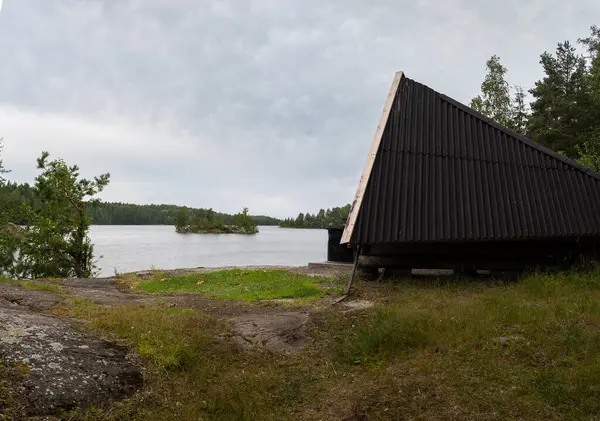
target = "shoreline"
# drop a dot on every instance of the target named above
(311, 268)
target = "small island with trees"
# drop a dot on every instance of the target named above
(208, 222)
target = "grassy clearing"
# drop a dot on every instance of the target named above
(38, 286)
(239, 285)
(169, 338)
(193, 371)
(530, 350)
(428, 351)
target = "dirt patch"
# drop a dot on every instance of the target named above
(282, 332)
(105, 291)
(357, 305)
(220, 308)
(63, 368)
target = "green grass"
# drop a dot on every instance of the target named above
(157, 332)
(192, 371)
(240, 285)
(443, 341)
(426, 351)
(38, 286)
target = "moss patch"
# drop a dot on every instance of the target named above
(11, 407)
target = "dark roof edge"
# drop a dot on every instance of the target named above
(520, 137)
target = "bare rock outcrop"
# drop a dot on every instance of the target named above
(62, 368)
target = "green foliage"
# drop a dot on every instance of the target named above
(14, 198)
(195, 221)
(107, 213)
(589, 148)
(589, 152)
(561, 110)
(565, 112)
(239, 285)
(592, 43)
(55, 240)
(130, 214)
(245, 222)
(494, 100)
(9, 232)
(334, 217)
(519, 113)
(10, 241)
(2, 169)
(207, 221)
(182, 220)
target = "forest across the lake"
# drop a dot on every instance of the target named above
(116, 213)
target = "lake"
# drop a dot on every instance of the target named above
(127, 248)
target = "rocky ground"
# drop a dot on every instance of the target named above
(56, 366)
(61, 368)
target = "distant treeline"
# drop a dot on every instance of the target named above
(106, 213)
(334, 217)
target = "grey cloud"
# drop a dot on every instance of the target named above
(222, 103)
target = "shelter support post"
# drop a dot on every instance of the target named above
(349, 286)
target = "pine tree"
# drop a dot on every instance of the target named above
(56, 241)
(182, 220)
(592, 42)
(9, 233)
(589, 150)
(561, 99)
(2, 169)
(519, 112)
(300, 220)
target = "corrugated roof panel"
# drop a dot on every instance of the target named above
(443, 172)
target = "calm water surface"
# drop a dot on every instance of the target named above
(127, 248)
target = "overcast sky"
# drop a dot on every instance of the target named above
(269, 104)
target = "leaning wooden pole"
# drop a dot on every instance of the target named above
(349, 286)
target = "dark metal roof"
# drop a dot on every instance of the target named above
(444, 172)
